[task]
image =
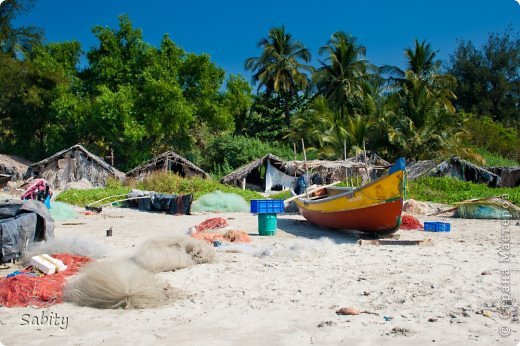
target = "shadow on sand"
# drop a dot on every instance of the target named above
(300, 227)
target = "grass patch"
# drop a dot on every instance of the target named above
(450, 190)
(159, 182)
(281, 195)
(495, 160)
(171, 183)
(83, 197)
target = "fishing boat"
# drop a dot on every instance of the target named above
(372, 208)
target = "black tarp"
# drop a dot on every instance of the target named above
(161, 202)
(455, 167)
(21, 224)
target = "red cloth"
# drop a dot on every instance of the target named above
(26, 290)
(410, 222)
(38, 185)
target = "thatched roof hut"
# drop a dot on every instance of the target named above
(509, 176)
(251, 173)
(71, 165)
(270, 170)
(454, 167)
(168, 161)
(13, 166)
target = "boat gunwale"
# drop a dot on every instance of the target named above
(381, 202)
(352, 192)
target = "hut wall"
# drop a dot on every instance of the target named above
(73, 166)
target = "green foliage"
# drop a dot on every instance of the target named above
(164, 182)
(281, 68)
(267, 121)
(239, 100)
(344, 69)
(171, 183)
(84, 197)
(281, 195)
(488, 82)
(21, 39)
(450, 190)
(236, 151)
(495, 160)
(140, 100)
(493, 136)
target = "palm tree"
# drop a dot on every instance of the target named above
(281, 67)
(421, 116)
(17, 40)
(342, 71)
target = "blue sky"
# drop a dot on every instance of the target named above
(229, 30)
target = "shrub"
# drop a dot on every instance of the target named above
(493, 136)
(449, 190)
(236, 151)
(83, 197)
(167, 182)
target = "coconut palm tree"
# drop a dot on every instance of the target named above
(342, 71)
(421, 115)
(282, 66)
(21, 39)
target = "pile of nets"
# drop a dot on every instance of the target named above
(487, 208)
(234, 236)
(219, 201)
(212, 223)
(62, 211)
(410, 222)
(25, 289)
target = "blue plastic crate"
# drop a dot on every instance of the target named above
(267, 206)
(437, 227)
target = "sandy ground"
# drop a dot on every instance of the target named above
(416, 294)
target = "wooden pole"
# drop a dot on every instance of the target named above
(345, 158)
(366, 163)
(294, 147)
(112, 155)
(305, 166)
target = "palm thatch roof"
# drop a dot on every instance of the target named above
(509, 176)
(168, 161)
(454, 167)
(13, 166)
(236, 177)
(322, 170)
(73, 164)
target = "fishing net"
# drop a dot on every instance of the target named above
(410, 222)
(62, 211)
(487, 208)
(234, 236)
(25, 289)
(219, 201)
(212, 223)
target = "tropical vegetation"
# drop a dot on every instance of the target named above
(137, 100)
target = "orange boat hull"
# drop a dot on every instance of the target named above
(379, 218)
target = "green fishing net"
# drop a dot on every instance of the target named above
(219, 201)
(62, 211)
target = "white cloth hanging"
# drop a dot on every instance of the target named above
(273, 176)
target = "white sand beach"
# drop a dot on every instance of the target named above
(289, 296)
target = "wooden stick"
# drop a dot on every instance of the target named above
(345, 158)
(305, 166)
(312, 189)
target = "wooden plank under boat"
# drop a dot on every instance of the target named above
(373, 208)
